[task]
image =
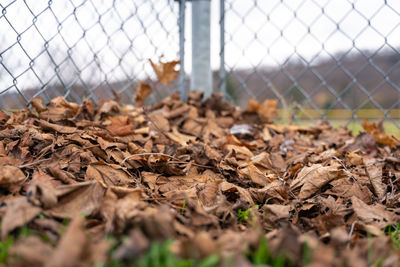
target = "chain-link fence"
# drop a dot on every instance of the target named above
(83, 48)
(330, 58)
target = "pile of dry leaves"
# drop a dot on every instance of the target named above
(214, 179)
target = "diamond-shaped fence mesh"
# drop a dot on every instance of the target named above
(83, 48)
(329, 59)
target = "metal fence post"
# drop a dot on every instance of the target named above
(181, 23)
(201, 79)
(222, 73)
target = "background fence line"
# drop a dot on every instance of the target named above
(317, 55)
(324, 58)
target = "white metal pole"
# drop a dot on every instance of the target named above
(181, 23)
(201, 79)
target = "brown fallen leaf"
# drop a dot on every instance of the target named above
(354, 159)
(142, 92)
(180, 138)
(311, 179)
(234, 192)
(250, 171)
(57, 110)
(38, 104)
(107, 107)
(253, 106)
(18, 212)
(120, 126)
(83, 198)
(374, 172)
(11, 178)
(375, 215)
(108, 174)
(275, 213)
(380, 136)
(268, 110)
(165, 71)
(42, 193)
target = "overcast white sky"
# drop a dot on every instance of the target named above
(253, 34)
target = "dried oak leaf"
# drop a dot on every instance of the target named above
(143, 91)
(275, 212)
(58, 109)
(250, 171)
(380, 136)
(11, 178)
(352, 158)
(165, 71)
(234, 192)
(313, 178)
(107, 107)
(374, 172)
(37, 103)
(18, 212)
(375, 215)
(253, 105)
(108, 174)
(77, 199)
(180, 138)
(120, 126)
(267, 111)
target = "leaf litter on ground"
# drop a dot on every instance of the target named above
(193, 184)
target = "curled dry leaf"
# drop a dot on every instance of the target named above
(120, 126)
(375, 215)
(38, 104)
(83, 198)
(165, 71)
(380, 136)
(374, 172)
(311, 179)
(108, 174)
(18, 212)
(267, 111)
(11, 178)
(143, 91)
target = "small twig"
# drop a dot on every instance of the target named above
(32, 163)
(351, 230)
(162, 154)
(145, 154)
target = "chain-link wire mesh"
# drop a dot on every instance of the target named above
(334, 58)
(83, 48)
(328, 58)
